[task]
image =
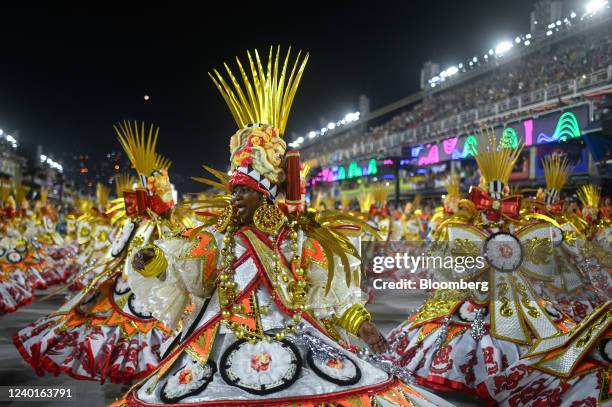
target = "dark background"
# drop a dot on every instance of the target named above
(68, 74)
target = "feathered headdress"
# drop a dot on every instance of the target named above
(266, 97)
(589, 195)
(453, 186)
(260, 106)
(124, 182)
(380, 194)
(139, 146)
(495, 160)
(366, 200)
(556, 171)
(102, 193)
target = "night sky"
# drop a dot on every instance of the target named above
(66, 75)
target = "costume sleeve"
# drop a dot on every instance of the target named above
(340, 298)
(175, 280)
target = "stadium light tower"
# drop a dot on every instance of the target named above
(503, 47)
(595, 5)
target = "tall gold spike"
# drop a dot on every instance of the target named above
(453, 186)
(124, 182)
(494, 160)
(556, 171)
(102, 192)
(266, 96)
(589, 195)
(139, 146)
(380, 193)
(162, 163)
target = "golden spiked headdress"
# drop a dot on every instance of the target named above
(495, 160)
(453, 186)
(380, 194)
(260, 104)
(589, 195)
(266, 97)
(556, 171)
(139, 146)
(124, 182)
(102, 193)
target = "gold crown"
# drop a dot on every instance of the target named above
(266, 97)
(556, 171)
(589, 195)
(123, 182)
(139, 146)
(496, 160)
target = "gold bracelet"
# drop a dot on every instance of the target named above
(156, 265)
(353, 317)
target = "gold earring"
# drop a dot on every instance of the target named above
(268, 218)
(225, 217)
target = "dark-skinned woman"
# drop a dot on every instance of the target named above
(266, 293)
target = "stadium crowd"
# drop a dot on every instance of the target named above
(555, 63)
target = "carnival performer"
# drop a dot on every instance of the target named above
(92, 236)
(96, 233)
(569, 369)
(18, 241)
(571, 288)
(103, 332)
(47, 242)
(15, 291)
(596, 249)
(450, 206)
(461, 336)
(270, 294)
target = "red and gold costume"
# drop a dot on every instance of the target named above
(264, 308)
(103, 332)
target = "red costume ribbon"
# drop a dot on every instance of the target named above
(374, 210)
(137, 202)
(508, 207)
(9, 213)
(556, 208)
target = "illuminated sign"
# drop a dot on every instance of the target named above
(553, 127)
(432, 156)
(353, 170)
(567, 128)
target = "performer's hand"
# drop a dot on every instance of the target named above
(370, 334)
(142, 257)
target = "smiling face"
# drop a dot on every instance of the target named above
(246, 201)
